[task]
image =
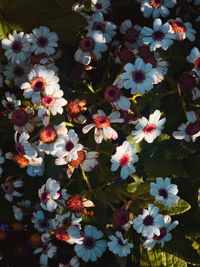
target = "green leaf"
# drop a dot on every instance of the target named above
(181, 207)
(131, 188)
(132, 141)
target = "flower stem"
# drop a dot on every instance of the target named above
(86, 180)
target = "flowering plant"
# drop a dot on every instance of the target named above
(99, 124)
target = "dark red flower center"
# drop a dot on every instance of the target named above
(8, 187)
(75, 203)
(10, 106)
(42, 41)
(98, 6)
(44, 196)
(43, 224)
(112, 93)
(18, 71)
(48, 101)
(119, 241)
(89, 242)
(19, 148)
(163, 193)
(121, 217)
(156, 3)
(87, 44)
(158, 35)
(197, 63)
(124, 160)
(38, 84)
(149, 128)
(193, 128)
(127, 56)
(138, 76)
(98, 26)
(69, 146)
(73, 109)
(187, 81)
(151, 60)
(101, 122)
(17, 46)
(48, 134)
(163, 232)
(148, 220)
(19, 117)
(131, 35)
(144, 51)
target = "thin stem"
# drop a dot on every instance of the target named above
(86, 180)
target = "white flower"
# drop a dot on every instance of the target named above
(67, 146)
(149, 129)
(149, 222)
(156, 8)
(17, 72)
(10, 102)
(2, 160)
(159, 36)
(102, 125)
(182, 29)
(161, 67)
(96, 23)
(40, 79)
(40, 223)
(49, 135)
(101, 5)
(93, 246)
(18, 210)
(74, 234)
(52, 102)
(130, 34)
(118, 245)
(17, 47)
(164, 191)
(124, 157)
(164, 235)
(36, 166)
(22, 145)
(47, 250)
(194, 57)
(47, 193)
(189, 130)
(9, 188)
(91, 47)
(139, 77)
(114, 95)
(43, 41)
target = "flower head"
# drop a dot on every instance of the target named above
(102, 6)
(9, 188)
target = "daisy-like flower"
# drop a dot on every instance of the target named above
(43, 41)
(68, 146)
(36, 165)
(102, 6)
(22, 145)
(2, 160)
(11, 103)
(17, 72)
(149, 129)
(124, 157)
(149, 222)
(164, 191)
(182, 29)
(189, 130)
(93, 246)
(101, 122)
(130, 34)
(114, 95)
(19, 210)
(188, 84)
(96, 23)
(40, 223)
(70, 234)
(47, 193)
(75, 109)
(194, 57)
(40, 80)
(118, 245)
(17, 47)
(91, 47)
(86, 160)
(156, 8)
(159, 36)
(164, 235)
(139, 77)
(9, 188)
(21, 121)
(49, 135)
(47, 249)
(52, 102)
